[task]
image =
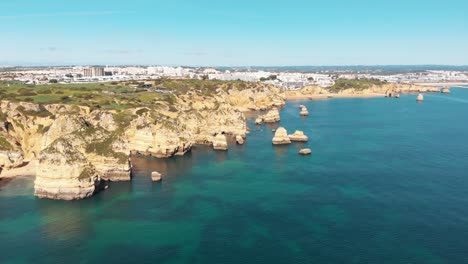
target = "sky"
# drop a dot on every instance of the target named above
(233, 33)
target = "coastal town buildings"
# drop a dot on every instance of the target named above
(286, 79)
(93, 72)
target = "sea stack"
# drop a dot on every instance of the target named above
(446, 91)
(272, 116)
(304, 111)
(239, 140)
(305, 152)
(298, 136)
(64, 173)
(420, 98)
(220, 142)
(281, 137)
(156, 176)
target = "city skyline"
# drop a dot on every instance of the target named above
(211, 33)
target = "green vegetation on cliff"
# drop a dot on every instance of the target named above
(4, 144)
(115, 95)
(358, 84)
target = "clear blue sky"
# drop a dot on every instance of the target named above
(234, 33)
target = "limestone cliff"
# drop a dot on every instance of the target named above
(373, 90)
(64, 173)
(79, 147)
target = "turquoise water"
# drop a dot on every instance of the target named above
(387, 183)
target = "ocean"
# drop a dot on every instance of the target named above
(387, 182)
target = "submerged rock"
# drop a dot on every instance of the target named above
(281, 137)
(220, 142)
(156, 176)
(298, 136)
(305, 151)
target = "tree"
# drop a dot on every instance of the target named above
(53, 81)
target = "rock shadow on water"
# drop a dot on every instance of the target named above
(144, 166)
(4, 182)
(280, 150)
(72, 224)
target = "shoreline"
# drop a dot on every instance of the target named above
(443, 84)
(331, 96)
(29, 170)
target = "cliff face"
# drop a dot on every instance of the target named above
(315, 91)
(65, 173)
(77, 148)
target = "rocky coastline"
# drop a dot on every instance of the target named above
(74, 150)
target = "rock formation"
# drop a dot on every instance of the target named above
(259, 121)
(64, 173)
(387, 90)
(446, 90)
(304, 111)
(298, 136)
(272, 116)
(156, 176)
(101, 140)
(220, 142)
(305, 151)
(420, 98)
(281, 137)
(239, 140)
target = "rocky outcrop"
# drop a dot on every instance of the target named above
(64, 173)
(220, 142)
(298, 136)
(281, 137)
(445, 91)
(272, 116)
(239, 140)
(259, 97)
(259, 121)
(304, 111)
(305, 152)
(420, 98)
(10, 159)
(156, 176)
(388, 90)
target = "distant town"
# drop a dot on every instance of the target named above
(288, 79)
